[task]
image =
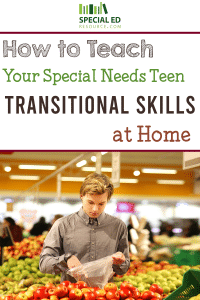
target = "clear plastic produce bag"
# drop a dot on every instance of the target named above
(95, 273)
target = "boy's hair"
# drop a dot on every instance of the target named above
(97, 184)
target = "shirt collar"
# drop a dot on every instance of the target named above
(85, 217)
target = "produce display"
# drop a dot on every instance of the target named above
(21, 279)
(29, 247)
(80, 291)
(17, 275)
(176, 240)
(195, 297)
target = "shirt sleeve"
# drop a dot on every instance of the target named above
(52, 257)
(123, 246)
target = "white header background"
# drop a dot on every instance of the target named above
(172, 53)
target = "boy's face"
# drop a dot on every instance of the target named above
(94, 205)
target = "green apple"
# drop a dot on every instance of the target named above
(147, 286)
(172, 287)
(165, 273)
(34, 269)
(141, 288)
(20, 267)
(40, 274)
(177, 283)
(28, 268)
(172, 278)
(25, 272)
(166, 289)
(138, 279)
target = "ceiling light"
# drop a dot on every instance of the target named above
(79, 179)
(136, 173)
(36, 167)
(81, 163)
(7, 169)
(159, 171)
(178, 182)
(24, 177)
(93, 169)
(128, 180)
(93, 158)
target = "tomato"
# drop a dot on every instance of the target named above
(125, 293)
(89, 296)
(130, 298)
(66, 283)
(75, 294)
(112, 294)
(41, 292)
(100, 293)
(110, 286)
(148, 295)
(156, 289)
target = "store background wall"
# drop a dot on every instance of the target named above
(28, 211)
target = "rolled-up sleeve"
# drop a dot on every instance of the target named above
(123, 246)
(52, 256)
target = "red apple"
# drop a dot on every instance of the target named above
(65, 283)
(112, 294)
(100, 293)
(75, 294)
(110, 286)
(81, 284)
(61, 291)
(125, 293)
(89, 296)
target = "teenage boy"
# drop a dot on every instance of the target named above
(87, 235)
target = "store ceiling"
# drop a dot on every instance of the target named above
(157, 158)
(130, 161)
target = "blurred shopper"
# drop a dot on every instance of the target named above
(192, 229)
(56, 217)
(166, 229)
(40, 227)
(87, 235)
(15, 229)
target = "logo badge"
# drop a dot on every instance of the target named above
(91, 9)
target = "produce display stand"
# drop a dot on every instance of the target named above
(181, 256)
(186, 257)
(189, 288)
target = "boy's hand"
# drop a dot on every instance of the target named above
(118, 258)
(73, 262)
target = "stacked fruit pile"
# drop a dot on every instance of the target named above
(17, 275)
(166, 275)
(80, 291)
(29, 247)
(195, 297)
